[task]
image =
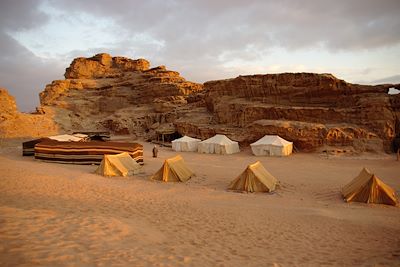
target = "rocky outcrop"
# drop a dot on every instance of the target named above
(8, 107)
(103, 65)
(118, 94)
(316, 111)
(310, 109)
(14, 124)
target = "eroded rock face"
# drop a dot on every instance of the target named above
(336, 113)
(103, 65)
(8, 107)
(14, 124)
(118, 94)
(315, 111)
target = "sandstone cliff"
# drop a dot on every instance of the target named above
(14, 124)
(118, 94)
(316, 111)
(8, 107)
(313, 110)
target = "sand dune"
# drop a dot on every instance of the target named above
(65, 215)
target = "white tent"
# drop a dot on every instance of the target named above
(218, 144)
(185, 143)
(272, 145)
(69, 137)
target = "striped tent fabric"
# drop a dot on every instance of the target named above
(91, 152)
(28, 147)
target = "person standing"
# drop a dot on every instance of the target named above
(155, 151)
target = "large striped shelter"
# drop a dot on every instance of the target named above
(91, 152)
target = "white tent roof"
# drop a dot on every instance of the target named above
(186, 139)
(275, 140)
(69, 137)
(219, 139)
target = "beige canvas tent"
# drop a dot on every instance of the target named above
(255, 178)
(272, 145)
(368, 188)
(118, 165)
(218, 144)
(173, 170)
(185, 143)
(69, 137)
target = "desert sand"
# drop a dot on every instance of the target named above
(65, 215)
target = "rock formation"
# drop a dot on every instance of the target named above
(8, 107)
(316, 111)
(313, 110)
(118, 94)
(14, 124)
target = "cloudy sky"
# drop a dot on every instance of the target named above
(356, 40)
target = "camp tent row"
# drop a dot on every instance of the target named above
(366, 187)
(218, 144)
(269, 145)
(255, 178)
